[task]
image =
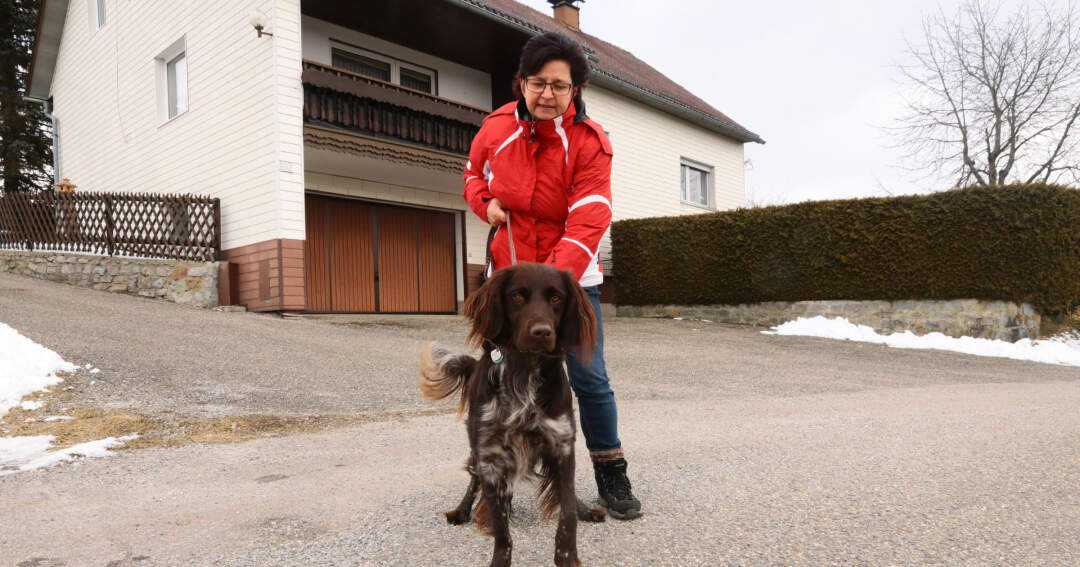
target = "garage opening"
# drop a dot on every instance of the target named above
(365, 257)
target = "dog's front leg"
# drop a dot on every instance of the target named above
(463, 513)
(497, 497)
(566, 535)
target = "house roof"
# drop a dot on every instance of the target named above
(618, 69)
(612, 67)
(50, 26)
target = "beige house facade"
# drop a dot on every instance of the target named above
(335, 136)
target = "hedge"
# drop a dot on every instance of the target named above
(1013, 243)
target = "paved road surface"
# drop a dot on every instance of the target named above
(746, 449)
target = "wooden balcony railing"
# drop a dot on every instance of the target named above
(370, 106)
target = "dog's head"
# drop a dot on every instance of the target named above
(532, 308)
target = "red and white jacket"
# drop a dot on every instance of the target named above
(554, 176)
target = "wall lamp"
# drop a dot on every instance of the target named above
(258, 21)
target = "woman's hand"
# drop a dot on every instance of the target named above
(496, 214)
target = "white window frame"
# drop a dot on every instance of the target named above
(395, 64)
(98, 18)
(710, 183)
(161, 64)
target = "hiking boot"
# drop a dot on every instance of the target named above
(614, 489)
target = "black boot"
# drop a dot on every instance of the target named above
(614, 489)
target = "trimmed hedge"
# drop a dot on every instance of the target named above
(1011, 243)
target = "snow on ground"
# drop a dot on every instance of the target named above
(27, 367)
(29, 453)
(1062, 349)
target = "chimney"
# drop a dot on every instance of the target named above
(566, 13)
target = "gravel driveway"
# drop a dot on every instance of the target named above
(746, 449)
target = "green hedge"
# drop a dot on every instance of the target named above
(1014, 243)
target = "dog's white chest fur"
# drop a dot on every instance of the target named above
(514, 429)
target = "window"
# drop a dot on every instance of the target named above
(415, 80)
(95, 9)
(384, 68)
(172, 81)
(362, 65)
(697, 184)
(176, 71)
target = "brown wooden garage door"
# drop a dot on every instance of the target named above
(363, 257)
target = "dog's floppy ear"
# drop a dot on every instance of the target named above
(485, 309)
(577, 330)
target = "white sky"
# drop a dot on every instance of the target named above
(815, 79)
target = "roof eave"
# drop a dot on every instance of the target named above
(611, 81)
(616, 83)
(50, 27)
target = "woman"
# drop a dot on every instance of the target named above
(540, 163)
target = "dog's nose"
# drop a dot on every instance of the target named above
(540, 330)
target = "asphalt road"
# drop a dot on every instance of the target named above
(746, 449)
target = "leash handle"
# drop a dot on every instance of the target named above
(489, 264)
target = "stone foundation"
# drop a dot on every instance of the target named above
(956, 318)
(189, 283)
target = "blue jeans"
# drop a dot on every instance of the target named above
(596, 400)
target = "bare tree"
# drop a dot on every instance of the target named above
(994, 97)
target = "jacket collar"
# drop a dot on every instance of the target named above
(547, 129)
(574, 112)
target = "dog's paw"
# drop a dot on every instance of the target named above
(457, 517)
(587, 513)
(563, 559)
(597, 514)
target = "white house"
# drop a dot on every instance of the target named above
(335, 134)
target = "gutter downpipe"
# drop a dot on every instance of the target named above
(47, 107)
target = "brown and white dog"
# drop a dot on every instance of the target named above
(518, 398)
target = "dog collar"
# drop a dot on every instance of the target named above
(496, 355)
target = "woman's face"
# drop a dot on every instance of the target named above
(549, 104)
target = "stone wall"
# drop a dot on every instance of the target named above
(955, 318)
(189, 283)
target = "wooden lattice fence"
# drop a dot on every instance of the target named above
(181, 227)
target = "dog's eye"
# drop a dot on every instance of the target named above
(555, 299)
(518, 297)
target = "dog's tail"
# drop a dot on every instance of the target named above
(443, 373)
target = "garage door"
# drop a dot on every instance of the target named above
(365, 257)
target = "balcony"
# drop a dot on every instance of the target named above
(372, 107)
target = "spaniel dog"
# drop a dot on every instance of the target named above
(520, 408)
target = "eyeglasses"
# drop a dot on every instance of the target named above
(538, 86)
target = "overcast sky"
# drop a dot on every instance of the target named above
(815, 79)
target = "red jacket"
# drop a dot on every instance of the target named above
(554, 177)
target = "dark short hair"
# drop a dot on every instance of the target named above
(552, 46)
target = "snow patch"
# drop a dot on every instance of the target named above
(1064, 350)
(25, 367)
(29, 453)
